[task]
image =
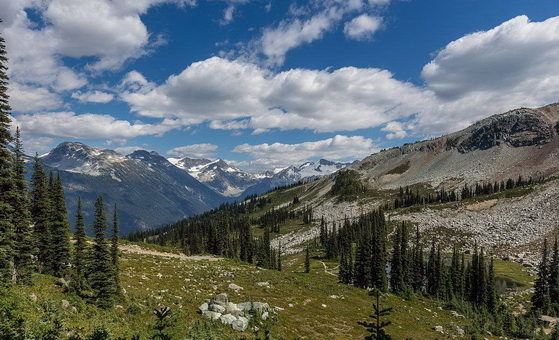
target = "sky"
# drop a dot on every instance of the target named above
(269, 83)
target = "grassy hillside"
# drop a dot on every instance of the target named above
(311, 306)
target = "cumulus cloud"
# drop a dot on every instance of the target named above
(85, 126)
(126, 150)
(310, 23)
(280, 155)
(203, 150)
(93, 97)
(26, 99)
(38, 145)
(221, 90)
(396, 130)
(362, 27)
(109, 32)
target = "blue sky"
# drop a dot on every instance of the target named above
(265, 83)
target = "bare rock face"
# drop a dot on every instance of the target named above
(522, 127)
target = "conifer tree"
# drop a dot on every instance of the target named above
(40, 214)
(396, 270)
(60, 228)
(377, 327)
(114, 246)
(100, 275)
(6, 177)
(541, 299)
(23, 242)
(554, 274)
(279, 258)
(79, 249)
(418, 264)
(491, 294)
(307, 260)
(432, 272)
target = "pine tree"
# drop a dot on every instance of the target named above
(554, 274)
(396, 272)
(541, 299)
(79, 250)
(307, 261)
(279, 258)
(432, 272)
(491, 294)
(23, 233)
(377, 327)
(418, 264)
(114, 248)
(101, 267)
(60, 228)
(6, 177)
(40, 214)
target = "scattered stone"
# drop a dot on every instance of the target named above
(263, 284)
(438, 329)
(235, 287)
(260, 307)
(457, 315)
(65, 304)
(33, 297)
(323, 305)
(220, 299)
(334, 297)
(265, 316)
(460, 331)
(244, 306)
(279, 308)
(290, 305)
(211, 315)
(61, 282)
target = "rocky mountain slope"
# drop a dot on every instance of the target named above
(519, 142)
(148, 190)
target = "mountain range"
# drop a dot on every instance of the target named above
(150, 190)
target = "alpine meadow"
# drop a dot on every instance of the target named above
(264, 169)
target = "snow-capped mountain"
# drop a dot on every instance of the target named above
(148, 190)
(225, 179)
(293, 174)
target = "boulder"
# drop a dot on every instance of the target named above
(203, 307)
(217, 308)
(232, 308)
(460, 331)
(227, 319)
(211, 315)
(220, 299)
(244, 306)
(240, 324)
(265, 316)
(438, 329)
(260, 307)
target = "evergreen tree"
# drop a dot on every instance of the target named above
(396, 272)
(114, 248)
(279, 258)
(554, 274)
(6, 177)
(79, 250)
(455, 274)
(377, 327)
(418, 264)
(307, 260)
(432, 272)
(491, 302)
(100, 275)
(40, 214)
(60, 228)
(23, 241)
(541, 299)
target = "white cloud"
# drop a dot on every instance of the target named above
(26, 99)
(362, 27)
(221, 90)
(126, 150)
(93, 97)
(280, 155)
(85, 126)
(230, 125)
(515, 64)
(395, 130)
(38, 145)
(311, 23)
(204, 150)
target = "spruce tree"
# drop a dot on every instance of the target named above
(6, 177)
(554, 274)
(60, 228)
(40, 214)
(114, 247)
(79, 250)
(100, 275)
(491, 292)
(279, 258)
(23, 233)
(541, 299)
(432, 271)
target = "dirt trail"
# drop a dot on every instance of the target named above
(136, 249)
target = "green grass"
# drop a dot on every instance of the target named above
(151, 281)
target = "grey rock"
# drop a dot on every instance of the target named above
(244, 306)
(235, 287)
(438, 329)
(265, 316)
(240, 324)
(220, 299)
(460, 331)
(260, 307)
(203, 307)
(217, 308)
(65, 304)
(33, 297)
(227, 319)
(61, 282)
(211, 315)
